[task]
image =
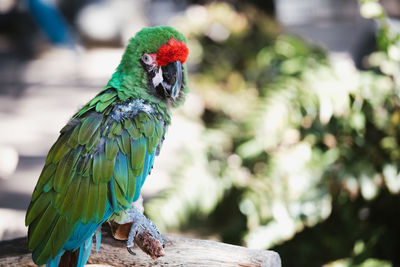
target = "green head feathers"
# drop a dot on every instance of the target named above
(149, 40)
(160, 47)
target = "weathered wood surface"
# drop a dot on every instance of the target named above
(179, 252)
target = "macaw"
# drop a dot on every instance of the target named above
(98, 165)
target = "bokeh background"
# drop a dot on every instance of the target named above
(288, 140)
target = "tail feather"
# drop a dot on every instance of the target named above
(71, 258)
(76, 250)
(54, 262)
(84, 252)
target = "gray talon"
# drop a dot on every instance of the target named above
(130, 251)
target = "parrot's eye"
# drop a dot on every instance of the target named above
(147, 59)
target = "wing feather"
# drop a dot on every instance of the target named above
(37, 207)
(121, 173)
(71, 194)
(92, 201)
(59, 149)
(73, 139)
(79, 205)
(120, 196)
(111, 149)
(126, 143)
(94, 140)
(102, 201)
(131, 189)
(89, 126)
(47, 173)
(41, 225)
(62, 177)
(138, 152)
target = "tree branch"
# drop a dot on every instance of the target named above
(179, 252)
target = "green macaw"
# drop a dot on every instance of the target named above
(103, 155)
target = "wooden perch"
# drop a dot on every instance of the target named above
(179, 252)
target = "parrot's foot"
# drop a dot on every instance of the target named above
(145, 234)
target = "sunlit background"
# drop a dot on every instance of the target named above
(288, 140)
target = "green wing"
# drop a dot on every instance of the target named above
(80, 171)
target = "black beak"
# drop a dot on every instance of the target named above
(172, 79)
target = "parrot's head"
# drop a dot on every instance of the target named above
(154, 63)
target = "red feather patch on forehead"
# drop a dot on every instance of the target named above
(172, 51)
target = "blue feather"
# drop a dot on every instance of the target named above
(114, 203)
(54, 262)
(121, 170)
(148, 162)
(84, 252)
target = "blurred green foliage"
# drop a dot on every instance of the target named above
(299, 151)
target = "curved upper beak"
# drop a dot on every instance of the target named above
(172, 79)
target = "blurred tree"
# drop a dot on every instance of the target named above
(294, 141)
(267, 6)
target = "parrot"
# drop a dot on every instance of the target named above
(97, 166)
